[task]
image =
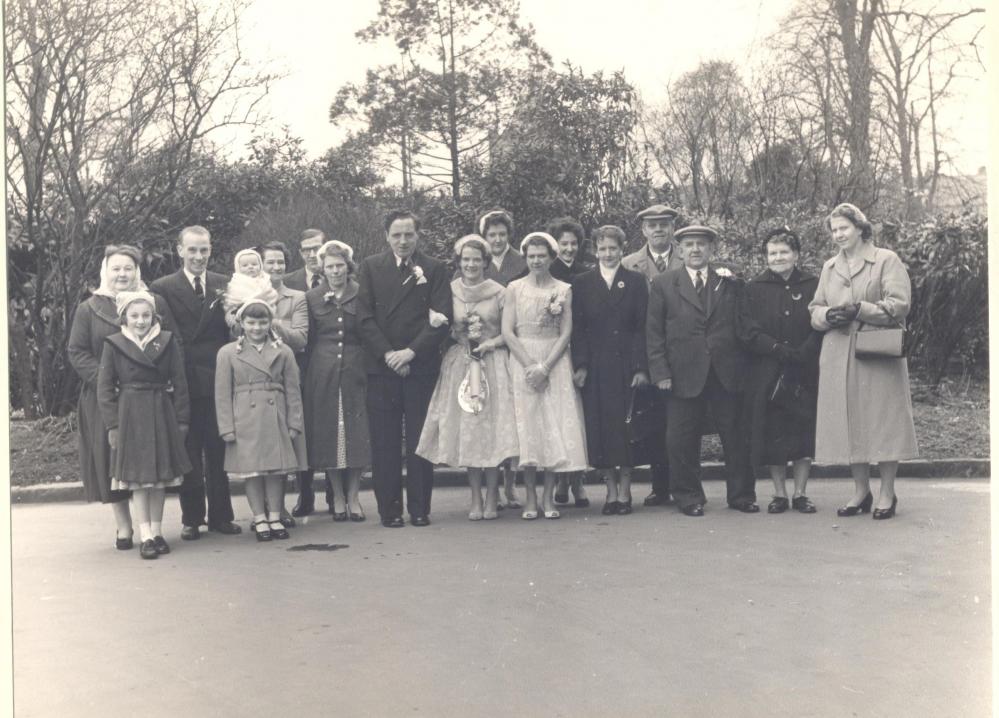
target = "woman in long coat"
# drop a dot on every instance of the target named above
(96, 319)
(142, 393)
(336, 415)
(864, 408)
(609, 304)
(778, 332)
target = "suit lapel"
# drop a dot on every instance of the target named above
(686, 289)
(618, 286)
(184, 292)
(404, 284)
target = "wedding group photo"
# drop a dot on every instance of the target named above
(498, 356)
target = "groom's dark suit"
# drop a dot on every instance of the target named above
(202, 328)
(393, 306)
(692, 341)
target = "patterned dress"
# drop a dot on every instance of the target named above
(451, 435)
(549, 422)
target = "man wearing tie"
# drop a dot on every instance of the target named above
(194, 296)
(403, 313)
(309, 276)
(655, 257)
(695, 355)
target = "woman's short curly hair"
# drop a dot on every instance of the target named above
(853, 214)
(783, 235)
(560, 225)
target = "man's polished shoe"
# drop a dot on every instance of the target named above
(228, 528)
(420, 521)
(655, 499)
(746, 507)
(304, 507)
(692, 510)
(286, 520)
(395, 523)
(190, 533)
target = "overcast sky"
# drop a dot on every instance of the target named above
(653, 41)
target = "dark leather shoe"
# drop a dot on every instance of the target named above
(162, 546)
(583, 503)
(279, 533)
(882, 514)
(148, 549)
(655, 499)
(190, 533)
(692, 510)
(610, 508)
(123, 544)
(420, 521)
(746, 507)
(228, 528)
(624, 507)
(803, 505)
(305, 506)
(778, 505)
(287, 521)
(863, 508)
(339, 516)
(562, 497)
(395, 523)
(357, 517)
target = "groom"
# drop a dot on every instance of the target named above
(399, 290)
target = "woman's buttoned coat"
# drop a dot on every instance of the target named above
(864, 407)
(335, 372)
(258, 398)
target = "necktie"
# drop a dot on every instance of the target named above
(199, 291)
(661, 263)
(699, 286)
(315, 280)
(403, 268)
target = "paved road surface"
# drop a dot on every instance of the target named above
(654, 614)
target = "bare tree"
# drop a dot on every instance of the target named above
(106, 102)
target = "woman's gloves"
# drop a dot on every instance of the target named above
(843, 314)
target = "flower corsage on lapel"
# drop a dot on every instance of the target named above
(329, 297)
(417, 272)
(555, 304)
(219, 296)
(723, 274)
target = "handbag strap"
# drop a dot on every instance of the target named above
(891, 316)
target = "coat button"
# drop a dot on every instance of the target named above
(787, 312)
(787, 286)
(270, 401)
(339, 319)
(253, 405)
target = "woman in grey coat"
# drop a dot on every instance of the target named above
(864, 408)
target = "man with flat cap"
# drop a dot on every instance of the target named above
(655, 257)
(695, 355)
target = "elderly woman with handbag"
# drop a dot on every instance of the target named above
(780, 388)
(864, 408)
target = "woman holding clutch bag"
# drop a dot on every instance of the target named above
(864, 409)
(470, 419)
(777, 331)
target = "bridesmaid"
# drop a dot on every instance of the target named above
(142, 392)
(609, 304)
(95, 320)
(336, 415)
(470, 420)
(537, 324)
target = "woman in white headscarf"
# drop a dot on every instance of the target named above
(95, 320)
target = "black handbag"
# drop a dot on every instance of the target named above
(880, 342)
(645, 425)
(791, 395)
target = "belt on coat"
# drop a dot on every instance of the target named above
(146, 385)
(258, 386)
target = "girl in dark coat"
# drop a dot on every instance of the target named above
(142, 394)
(609, 304)
(777, 331)
(96, 319)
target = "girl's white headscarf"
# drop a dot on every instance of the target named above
(106, 290)
(543, 235)
(122, 302)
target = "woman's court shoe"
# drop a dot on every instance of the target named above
(148, 549)
(262, 529)
(162, 546)
(474, 515)
(357, 516)
(552, 514)
(529, 515)
(803, 505)
(693, 510)
(863, 508)
(124, 544)
(490, 515)
(778, 505)
(624, 507)
(609, 509)
(562, 497)
(881, 514)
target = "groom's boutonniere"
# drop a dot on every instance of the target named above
(219, 296)
(723, 274)
(416, 271)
